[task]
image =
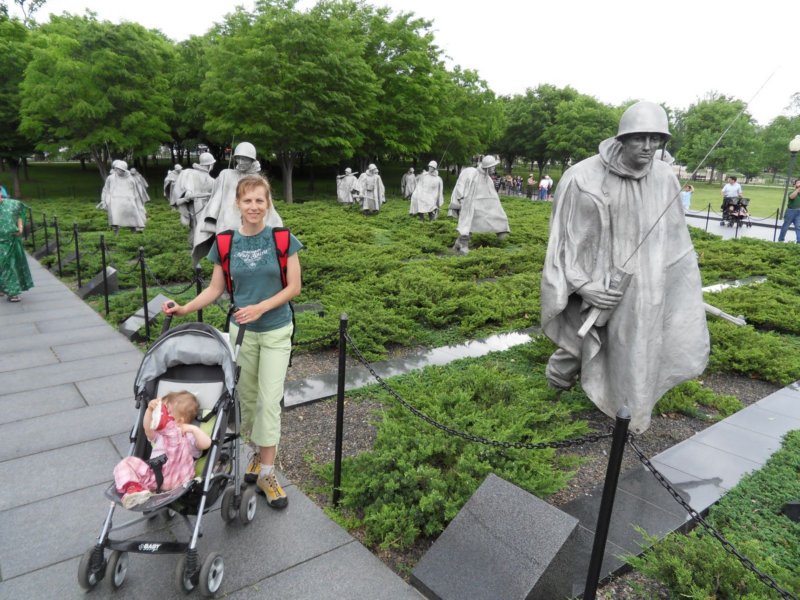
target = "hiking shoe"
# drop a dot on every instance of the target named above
(269, 486)
(253, 468)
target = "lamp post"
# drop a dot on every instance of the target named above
(794, 148)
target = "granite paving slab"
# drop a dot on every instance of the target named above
(785, 401)
(22, 438)
(25, 359)
(763, 421)
(36, 403)
(48, 474)
(67, 372)
(34, 339)
(705, 462)
(40, 312)
(77, 351)
(100, 390)
(738, 441)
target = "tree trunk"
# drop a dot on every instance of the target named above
(287, 165)
(311, 178)
(97, 157)
(16, 187)
(25, 168)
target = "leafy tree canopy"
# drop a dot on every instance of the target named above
(579, 126)
(97, 87)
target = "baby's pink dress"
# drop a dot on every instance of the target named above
(181, 450)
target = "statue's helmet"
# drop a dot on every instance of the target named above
(411, 170)
(121, 165)
(488, 161)
(178, 168)
(644, 117)
(246, 150)
(433, 164)
(372, 167)
(206, 159)
(348, 170)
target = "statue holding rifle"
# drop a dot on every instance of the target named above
(621, 293)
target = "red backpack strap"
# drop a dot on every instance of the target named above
(280, 235)
(224, 242)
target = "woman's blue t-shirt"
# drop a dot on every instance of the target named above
(256, 275)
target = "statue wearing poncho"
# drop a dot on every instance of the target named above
(656, 336)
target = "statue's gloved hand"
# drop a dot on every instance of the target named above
(597, 294)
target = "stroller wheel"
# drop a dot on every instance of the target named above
(249, 503)
(116, 569)
(228, 510)
(87, 573)
(211, 575)
(183, 580)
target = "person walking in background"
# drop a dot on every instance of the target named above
(686, 196)
(792, 215)
(15, 275)
(531, 186)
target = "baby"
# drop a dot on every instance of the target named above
(176, 445)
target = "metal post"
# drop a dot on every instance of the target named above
(337, 459)
(105, 275)
(792, 158)
(708, 215)
(33, 230)
(775, 229)
(144, 294)
(198, 287)
(58, 245)
(607, 501)
(46, 236)
(77, 253)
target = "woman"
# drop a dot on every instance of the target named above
(263, 306)
(15, 276)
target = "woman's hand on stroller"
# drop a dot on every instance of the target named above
(172, 308)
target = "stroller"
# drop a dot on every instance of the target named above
(198, 358)
(734, 212)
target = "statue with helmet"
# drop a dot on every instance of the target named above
(476, 205)
(122, 197)
(621, 293)
(428, 194)
(191, 191)
(370, 191)
(344, 186)
(170, 179)
(220, 213)
(407, 184)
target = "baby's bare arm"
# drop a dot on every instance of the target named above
(201, 438)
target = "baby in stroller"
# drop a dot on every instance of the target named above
(176, 444)
(734, 212)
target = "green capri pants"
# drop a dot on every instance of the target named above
(264, 359)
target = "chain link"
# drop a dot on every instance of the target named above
(729, 547)
(163, 288)
(325, 338)
(121, 271)
(469, 436)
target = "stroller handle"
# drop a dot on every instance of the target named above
(167, 320)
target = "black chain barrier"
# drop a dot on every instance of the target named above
(469, 436)
(111, 262)
(730, 548)
(325, 338)
(163, 287)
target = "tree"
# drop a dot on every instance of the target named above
(97, 87)
(15, 50)
(403, 119)
(579, 126)
(704, 123)
(295, 84)
(471, 117)
(187, 73)
(775, 138)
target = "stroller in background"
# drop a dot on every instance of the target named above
(198, 358)
(734, 212)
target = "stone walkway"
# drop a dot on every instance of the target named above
(66, 393)
(66, 380)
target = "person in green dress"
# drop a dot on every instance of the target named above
(15, 276)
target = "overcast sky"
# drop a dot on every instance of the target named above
(616, 50)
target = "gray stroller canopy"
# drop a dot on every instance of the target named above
(187, 344)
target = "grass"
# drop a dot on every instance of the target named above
(765, 200)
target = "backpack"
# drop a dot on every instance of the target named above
(281, 238)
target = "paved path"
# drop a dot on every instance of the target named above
(66, 381)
